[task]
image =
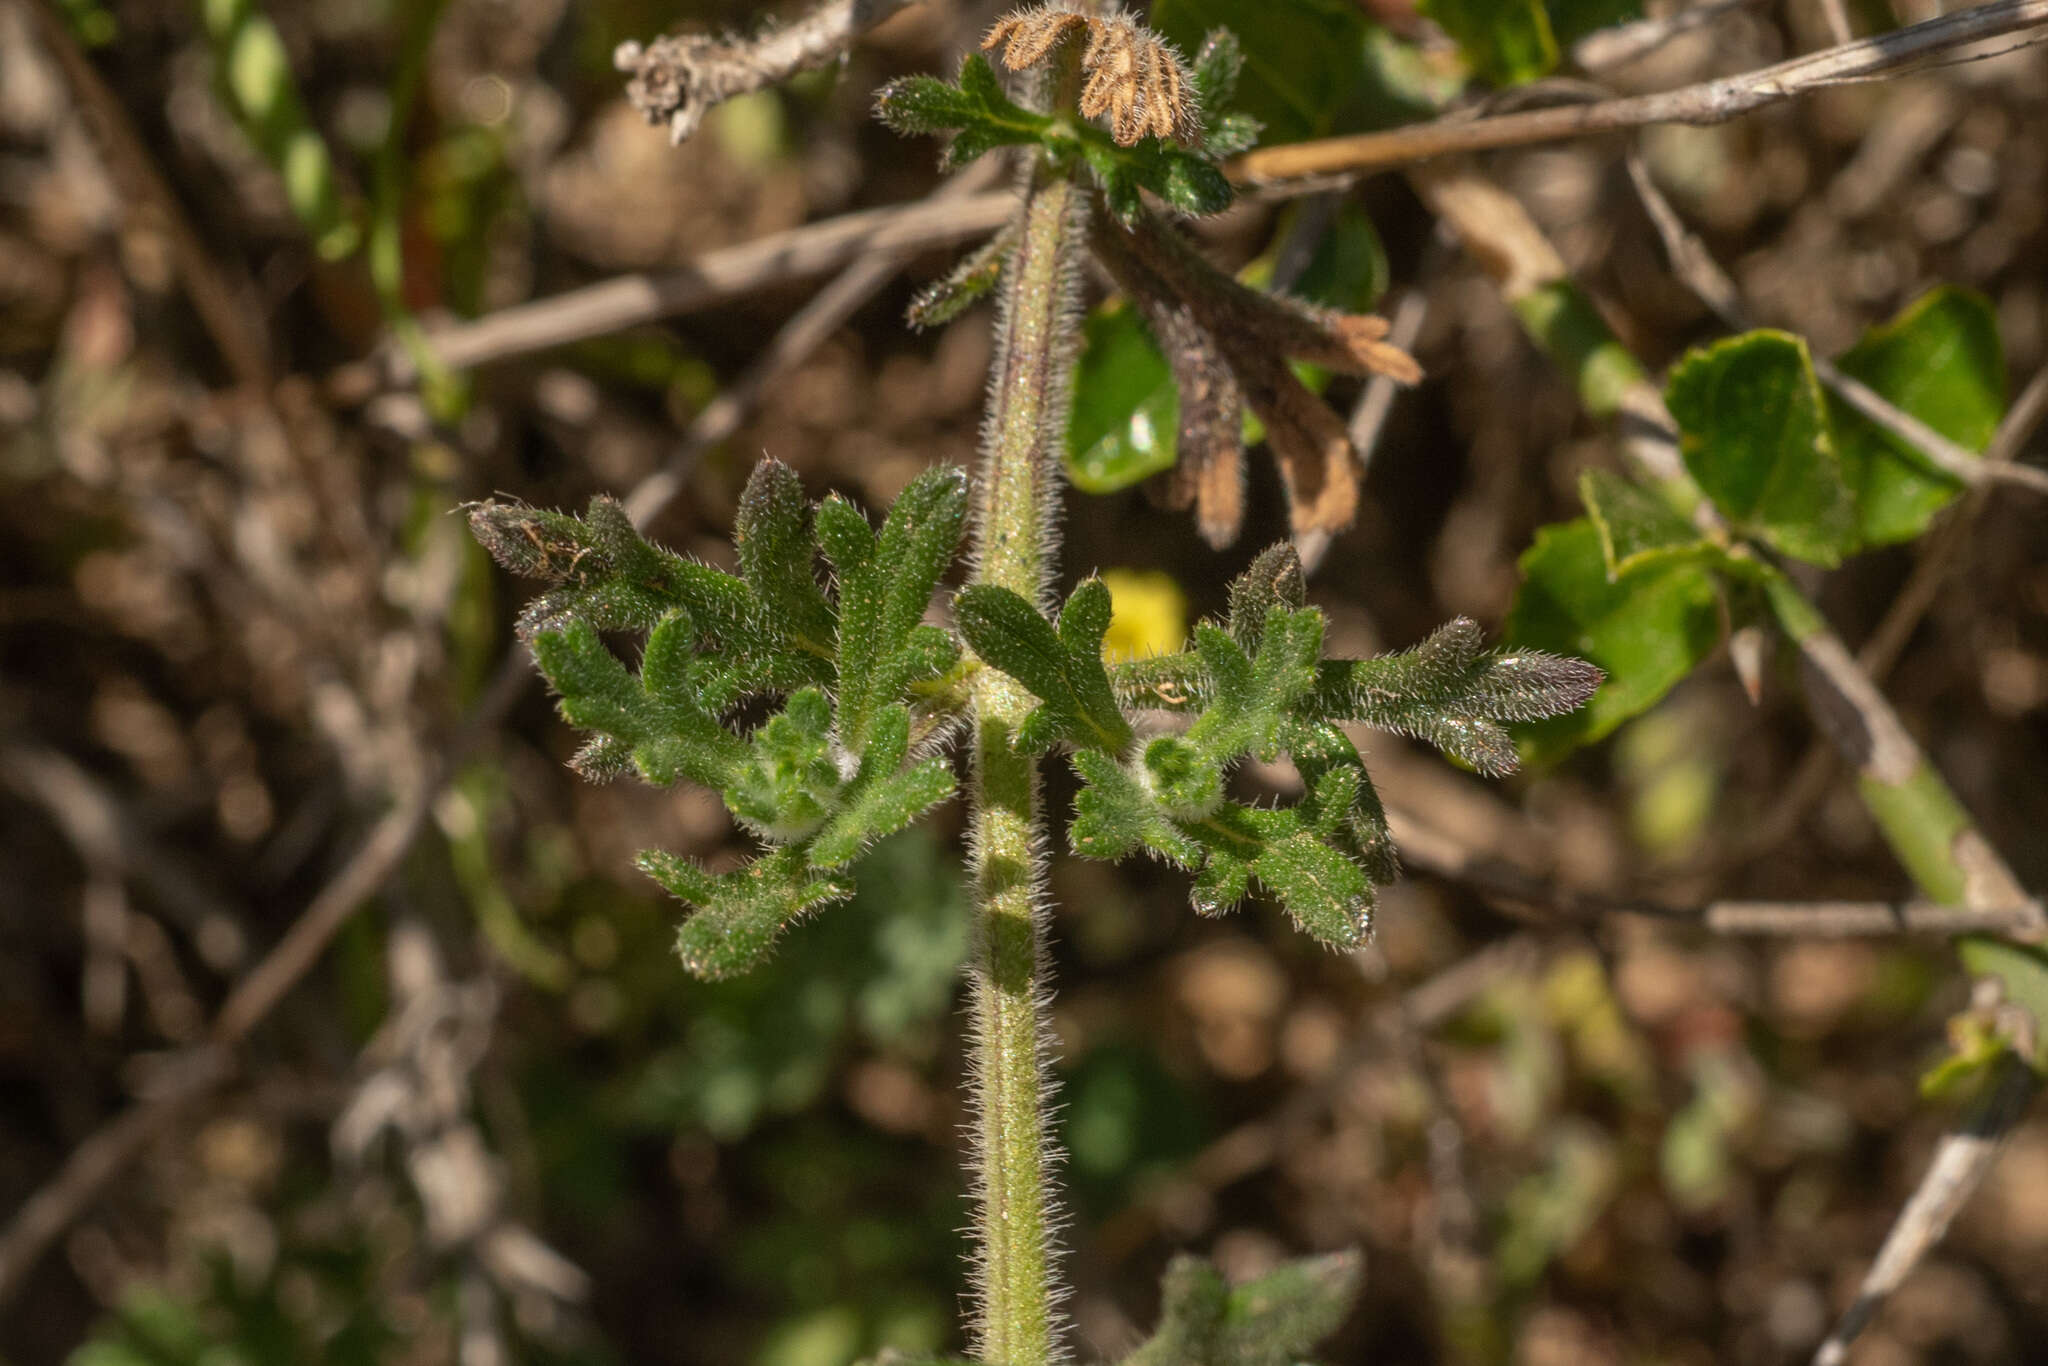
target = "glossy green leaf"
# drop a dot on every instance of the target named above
(1646, 630)
(1506, 42)
(1348, 269)
(1125, 410)
(1940, 361)
(1754, 433)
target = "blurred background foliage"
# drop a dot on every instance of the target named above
(229, 634)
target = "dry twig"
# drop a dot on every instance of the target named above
(1962, 1161)
(1708, 102)
(680, 78)
(630, 300)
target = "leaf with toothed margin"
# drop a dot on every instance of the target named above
(1114, 815)
(885, 584)
(959, 289)
(1455, 693)
(883, 796)
(1341, 804)
(597, 566)
(1249, 698)
(667, 733)
(1273, 1320)
(1215, 69)
(1327, 894)
(775, 549)
(739, 914)
(789, 784)
(1062, 666)
(1274, 580)
(604, 573)
(975, 105)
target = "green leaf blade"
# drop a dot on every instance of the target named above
(775, 548)
(739, 915)
(1939, 360)
(1754, 434)
(1507, 42)
(1645, 631)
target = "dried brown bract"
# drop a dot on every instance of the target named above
(1229, 346)
(1134, 77)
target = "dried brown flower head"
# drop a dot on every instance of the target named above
(1133, 75)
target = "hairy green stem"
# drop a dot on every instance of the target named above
(1013, 549)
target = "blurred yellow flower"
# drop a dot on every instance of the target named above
(1148, 614)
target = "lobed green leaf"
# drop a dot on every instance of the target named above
(739, 914)
(1061, 667)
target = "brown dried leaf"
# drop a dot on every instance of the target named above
(1135, 78)
(1032, 34)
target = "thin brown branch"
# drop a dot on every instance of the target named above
(1707, 102)
(2021, 421)
(1880, 652)
(680, 78)
(793, 344)
(1849, 709)
(1959, 1167)
(630, 300)
(1861, 919)
(1432, 850)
